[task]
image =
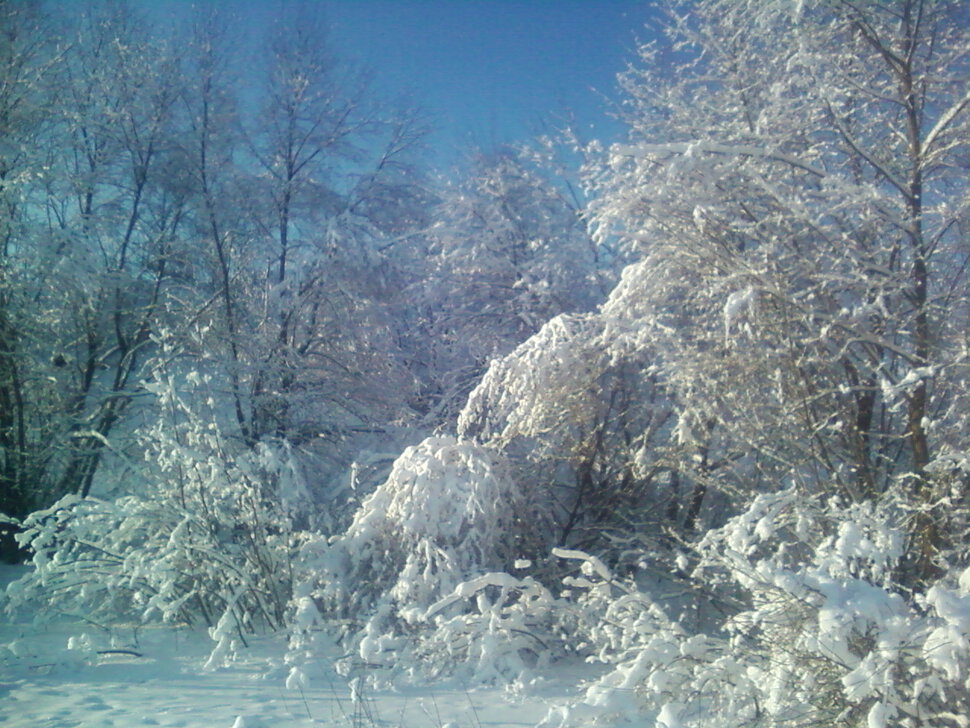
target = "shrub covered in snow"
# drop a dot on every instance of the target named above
(449, 512)
(209, 539)
(816, 632)
(583, 418)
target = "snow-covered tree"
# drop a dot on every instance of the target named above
(588, 430)
(333, 190)
(508, 251)
(137, 201)
(26, 61)
(92, 227)
(795, 188)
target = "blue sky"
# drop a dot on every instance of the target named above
(487, 72)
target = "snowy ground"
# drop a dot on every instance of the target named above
(99, 683)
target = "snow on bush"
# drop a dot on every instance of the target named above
(814, 631)
(544, 390)
(586, 420)
(504, 630)
(208, 540)
(449, 512)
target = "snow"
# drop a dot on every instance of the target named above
(74, 674)
(743, 303)
(879, 715)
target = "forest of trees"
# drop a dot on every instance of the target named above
(696, 407)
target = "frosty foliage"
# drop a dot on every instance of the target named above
(543, 391)
(767, 190)
(797, 291)
(507, 251)
(814, 632)
(448, 512)
(79, 297)
(766, 417)
(584, 419)
(209, 541)
(505, 630)
(795, 300)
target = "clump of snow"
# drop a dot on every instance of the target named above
(740, 306)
